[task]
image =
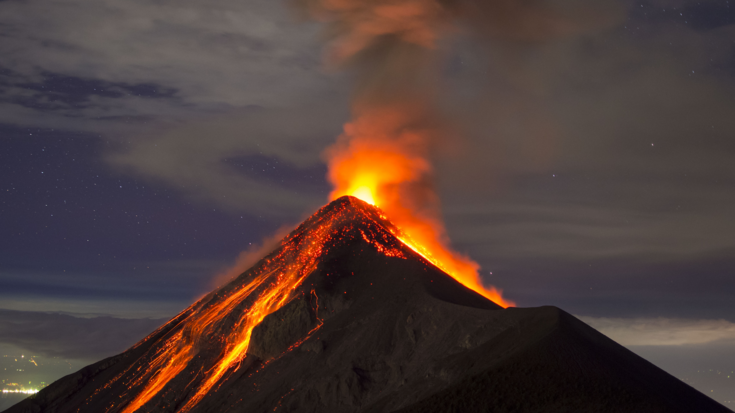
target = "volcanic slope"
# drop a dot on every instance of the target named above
(344, 317)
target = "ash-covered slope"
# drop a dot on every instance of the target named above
(362, 323)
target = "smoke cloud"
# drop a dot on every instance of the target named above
(389, 43)
(392, 47)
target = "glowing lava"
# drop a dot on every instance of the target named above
(382, 160)
(364, 193)
(209, 341)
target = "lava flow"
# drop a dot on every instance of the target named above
(209, 341)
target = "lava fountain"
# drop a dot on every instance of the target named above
(381, 158)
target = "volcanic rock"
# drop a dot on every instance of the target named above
(281, 329)
(370, 327)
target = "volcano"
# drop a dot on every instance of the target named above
(344, 317)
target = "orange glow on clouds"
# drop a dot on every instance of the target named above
(376, 159)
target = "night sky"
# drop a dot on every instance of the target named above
(143, 146)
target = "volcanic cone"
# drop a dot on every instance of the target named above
(344, 317)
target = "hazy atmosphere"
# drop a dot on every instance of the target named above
(588, 163)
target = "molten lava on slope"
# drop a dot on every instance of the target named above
(261, 291)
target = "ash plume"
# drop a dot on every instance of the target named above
(391, 45)
(392, 49)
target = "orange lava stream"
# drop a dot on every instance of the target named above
(166, 368)
(237, 344)
(270, 288)
(178, 350)
(464, 272)
(459, 267)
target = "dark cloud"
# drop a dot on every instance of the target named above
(66, 336)
(54, 91)
(180, 91)
(611, 145)
(213, 160)
(214, 56)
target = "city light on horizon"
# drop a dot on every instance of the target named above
(23, 391)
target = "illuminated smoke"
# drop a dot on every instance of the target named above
(381, 160)
(383, 155)
(251, 256)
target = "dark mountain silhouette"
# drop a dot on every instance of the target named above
(363, 323)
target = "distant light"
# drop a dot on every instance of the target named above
(23, 391)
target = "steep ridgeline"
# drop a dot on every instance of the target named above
(344, 317)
